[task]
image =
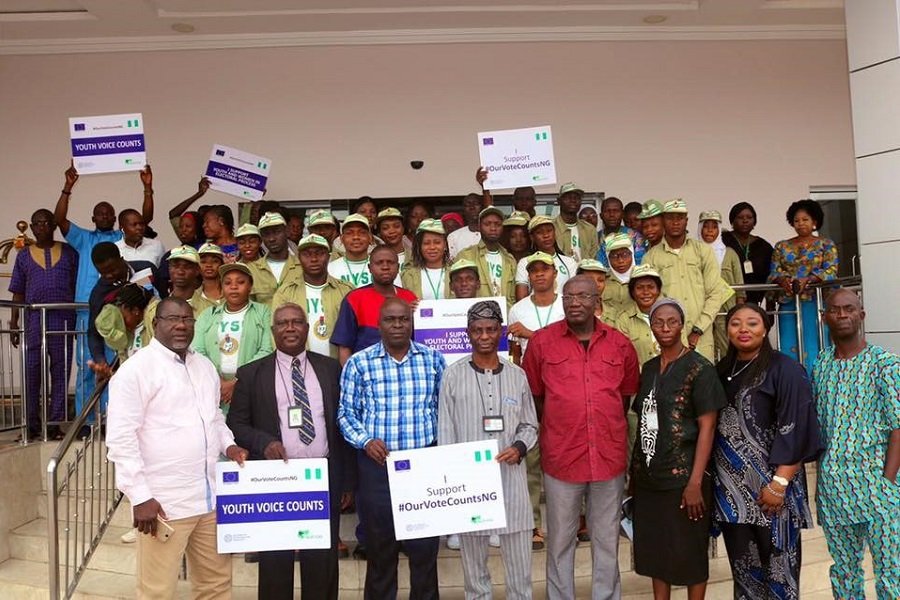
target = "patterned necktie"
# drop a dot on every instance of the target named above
(307, 431)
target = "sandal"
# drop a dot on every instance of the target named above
(537, 539)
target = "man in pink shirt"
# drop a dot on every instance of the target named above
(289, 381)
(165, 433)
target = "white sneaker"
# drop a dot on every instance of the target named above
(453, 541)
(130, 537)
(494, 541)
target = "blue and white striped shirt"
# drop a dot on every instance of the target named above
(394, 401)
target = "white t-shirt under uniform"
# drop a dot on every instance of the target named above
(318, 337)
(535, 317)
(230, 329)
(461, 239)
(565, 270)
(354, 272)
(495, 268)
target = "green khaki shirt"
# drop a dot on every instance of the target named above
(264, 282)
(691, 275)
(616, 299)
(477, 254)
(411, 278)
(587, 236)
(332, 294)
(256, 335)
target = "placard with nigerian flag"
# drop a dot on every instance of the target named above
(446, 489)
(238, 173)
(108, 143)
(517, 157)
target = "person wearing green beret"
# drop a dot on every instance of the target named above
(577, 238)
(515, 235)
(464, 281)
(615, 296)
(732, 274)
(390, 227)
(597, 271)
(210, 291)
(496, 266)
(236, 332)
(249, 243)
(690, 274)
(278, 266)
(652, 223)
(318, 293)
(427, 274)
(543, 239)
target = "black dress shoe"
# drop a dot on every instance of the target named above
(251, 557)
(359, 553)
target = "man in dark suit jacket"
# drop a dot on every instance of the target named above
(308, 384)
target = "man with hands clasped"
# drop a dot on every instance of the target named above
(165, 434)
(487, 398)
(285, 406)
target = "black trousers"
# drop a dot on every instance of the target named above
(318, 568)
(384, 549)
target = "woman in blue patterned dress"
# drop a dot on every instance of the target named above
(796, 263)
(764, 435)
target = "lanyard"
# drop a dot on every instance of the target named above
(561, 265)
(481, 394)
(353, 276)
(435, 290)
(537, 313)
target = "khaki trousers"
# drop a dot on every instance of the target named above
(158, 562)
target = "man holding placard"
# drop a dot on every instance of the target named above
(488, 398)
(83, 241)
(389, 401)
(285, 407)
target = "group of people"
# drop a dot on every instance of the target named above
(291, 338)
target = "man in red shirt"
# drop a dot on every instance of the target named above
(581, 373)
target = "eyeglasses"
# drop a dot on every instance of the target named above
(176, 319)
(285, 323)
(660, 323)
(582, 298)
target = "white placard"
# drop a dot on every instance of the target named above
(446, 489)
(272, 505)
(108, 144)
(237, 172)
(443, 326)
(517, 157)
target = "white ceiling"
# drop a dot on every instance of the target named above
(64, 26)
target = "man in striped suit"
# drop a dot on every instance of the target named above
(487, 398)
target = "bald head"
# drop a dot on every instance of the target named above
(395, 325)
(844, 316)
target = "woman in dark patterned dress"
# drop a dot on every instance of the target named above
(765, 434)
(677, 405)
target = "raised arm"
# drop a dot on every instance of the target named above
(147, 207)
(185, 204)
(61, 214)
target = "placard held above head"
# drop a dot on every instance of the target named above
(108, 143)
(238, 173)
(517, 157)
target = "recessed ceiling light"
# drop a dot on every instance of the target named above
(654, 19)
(183, 27)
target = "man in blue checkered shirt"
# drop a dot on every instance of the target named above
(389, 401)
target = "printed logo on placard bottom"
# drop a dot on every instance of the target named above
(228, 537)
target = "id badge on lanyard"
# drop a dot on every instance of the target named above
(492, 423)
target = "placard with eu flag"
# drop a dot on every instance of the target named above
(108, 144)
(272, 505)
(517, 157)
(446, 489)
(442, 325)
(237, 172)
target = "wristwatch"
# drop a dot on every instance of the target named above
(696, 330)
(780, 481)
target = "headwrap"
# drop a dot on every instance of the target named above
(453, 216)
(486, 309)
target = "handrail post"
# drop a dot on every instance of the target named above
(52, 529)
(45, 367)
(799, 319)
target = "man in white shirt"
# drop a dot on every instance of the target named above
(471, 234)
(165, 433)
(134, 246)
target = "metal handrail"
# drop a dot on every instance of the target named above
(91, 499)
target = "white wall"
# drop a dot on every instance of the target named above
(713, 122)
